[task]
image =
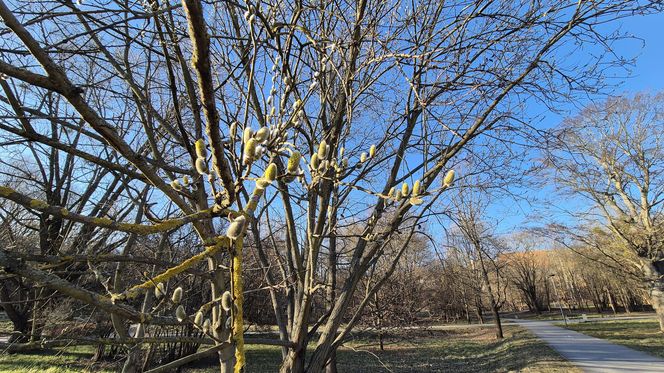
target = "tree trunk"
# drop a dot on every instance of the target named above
(655, 271)
(499, 325)
(20, 320)
(331, 366)
(480, 314)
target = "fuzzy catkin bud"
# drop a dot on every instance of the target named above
(236, 227)
(177, 295)
(416, 188)
(262, 134)
(294, 162)
(270, 173)
(249, 150)
(180, 313)
(206, 326)
(404, 189)
(391, 192)
(233, 131)
(198, 319)
(201, 152)
(159, 290)
(449, 178)
(175, 184)
(201, 166)
(372, 151)
(226, 301)
(322, 149)
(363, 157)
(246, 135)
(186, 180)
(315, 162)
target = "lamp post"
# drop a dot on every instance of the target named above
(558, 296)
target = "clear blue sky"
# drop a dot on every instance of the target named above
(646, 75)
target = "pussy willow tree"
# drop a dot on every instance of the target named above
(612, 154)
(306, 112)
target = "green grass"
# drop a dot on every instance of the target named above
(641, 335)
(460, 350)
(62, 360)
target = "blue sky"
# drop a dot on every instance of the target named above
(646, 75)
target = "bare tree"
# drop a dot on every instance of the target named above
(528, 270)
(314, 115)
(482, 246)
(612, 154)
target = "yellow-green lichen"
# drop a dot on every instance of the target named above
(38, 204)
(6, 191)
(102, 221)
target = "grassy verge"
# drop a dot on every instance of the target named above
(64, 360)
(460, 350)
(641, 335)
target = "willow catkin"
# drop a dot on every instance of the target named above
(294, 162)
(186, 180)
(201, 152)
(404, 189)
(233, 131)
(322, 149)
(315, 162)
(449, 178)
(262, 134)
(249, 151)
(159, 290)
(206, 326)
(391, 192)
(175, 184)
(363, 157)
(372, 151)
(180, 313)
(247, 134)
(201, 166)
(226, 301)
(236, 227)
(177, 295)
(416, 188)
(270, 173)
(198, 319)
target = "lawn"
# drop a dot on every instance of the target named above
(641, 335)
(461, 350)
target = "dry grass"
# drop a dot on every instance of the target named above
(641, 335)
(459, 350)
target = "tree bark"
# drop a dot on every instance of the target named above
(655, 272)
(499, 325)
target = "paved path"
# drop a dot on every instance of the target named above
(592, 355)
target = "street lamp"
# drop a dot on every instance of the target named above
(558, 296)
